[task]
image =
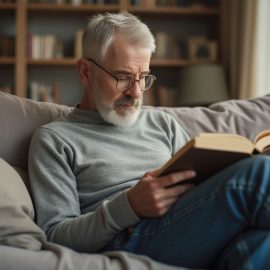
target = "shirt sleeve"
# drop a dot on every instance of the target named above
(178, 136)
(54, 190)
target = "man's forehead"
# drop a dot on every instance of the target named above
(128, 61)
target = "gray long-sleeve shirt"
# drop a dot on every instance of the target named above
(80, 168)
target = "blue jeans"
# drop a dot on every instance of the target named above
(224, 223)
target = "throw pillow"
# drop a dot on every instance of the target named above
(17, 227)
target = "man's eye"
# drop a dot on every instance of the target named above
(121, 77)
(124, 78)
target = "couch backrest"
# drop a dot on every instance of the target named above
(20, 117)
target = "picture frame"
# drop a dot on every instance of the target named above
(202, 49)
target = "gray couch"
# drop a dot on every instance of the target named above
(22, 244)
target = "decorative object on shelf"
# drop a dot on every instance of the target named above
(200, 48)
(167, 46)
(202, 85)
(42, 92)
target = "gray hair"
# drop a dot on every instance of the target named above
(102, 28)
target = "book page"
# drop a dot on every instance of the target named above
(224, 141)
(262, 141)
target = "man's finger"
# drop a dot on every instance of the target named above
(176, 191)
(175, 178)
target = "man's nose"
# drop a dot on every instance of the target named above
(135, 90)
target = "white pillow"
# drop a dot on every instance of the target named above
(17, 227)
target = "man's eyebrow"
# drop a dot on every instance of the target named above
(126, 72)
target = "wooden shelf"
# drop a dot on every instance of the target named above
(83, 8)
(7, 60)
(86, 8)
(175, 10)
(52, 62)
(168, 62)
(7, 6)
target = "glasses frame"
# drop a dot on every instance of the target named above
(117, 80)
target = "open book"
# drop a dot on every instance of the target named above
(208, 153)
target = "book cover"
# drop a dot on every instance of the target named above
(209, 153)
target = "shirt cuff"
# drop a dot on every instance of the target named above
(121, 211)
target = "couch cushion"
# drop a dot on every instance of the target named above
(244, 117)
(19, 117)
(17, 227)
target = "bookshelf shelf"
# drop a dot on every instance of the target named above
(83, 8)
(7, 6)
(174, 11)
(52, 62)
(7, 60)
(169, 62)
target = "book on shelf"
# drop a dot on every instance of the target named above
(7, 46)
(44, 46)
(42, 92)
(209, 153)
(201, 48)
(78, 44)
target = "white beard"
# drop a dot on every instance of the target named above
(109, 114)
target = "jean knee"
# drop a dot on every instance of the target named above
(254, 170)
(260, 163)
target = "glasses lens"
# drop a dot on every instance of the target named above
(145, 83)
(125, 83)
(148, 82)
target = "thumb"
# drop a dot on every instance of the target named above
(153, 173)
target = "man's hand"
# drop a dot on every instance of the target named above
(152, 196)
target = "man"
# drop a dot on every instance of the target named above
(93, 173)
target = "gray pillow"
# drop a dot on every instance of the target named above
(17, 227)
(244, 117)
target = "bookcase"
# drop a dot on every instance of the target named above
(181, 20)
(7, 45)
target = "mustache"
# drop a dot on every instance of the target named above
(128, 100)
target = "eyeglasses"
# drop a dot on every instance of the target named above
(127, 81)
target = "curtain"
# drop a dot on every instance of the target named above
(262, 49)
(247, 47)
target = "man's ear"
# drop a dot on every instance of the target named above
(83, 68)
